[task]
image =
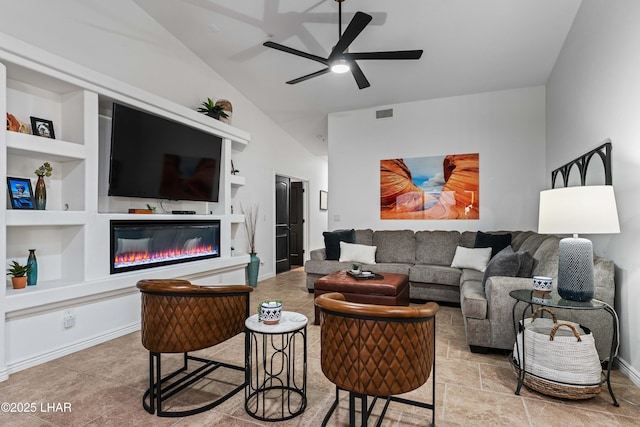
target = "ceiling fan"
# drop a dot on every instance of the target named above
(340, 60)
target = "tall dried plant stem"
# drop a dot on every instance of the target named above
(250, 223)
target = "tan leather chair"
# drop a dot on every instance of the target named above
(178, 317)
(375, 350)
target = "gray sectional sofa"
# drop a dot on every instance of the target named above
(426, 257)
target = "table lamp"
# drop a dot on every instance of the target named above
(577, 210)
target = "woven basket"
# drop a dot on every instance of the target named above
(560, 357)
(555, 389)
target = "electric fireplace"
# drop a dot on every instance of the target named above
(143, 244)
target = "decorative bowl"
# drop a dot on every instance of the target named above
(542, 284)
(270, 312)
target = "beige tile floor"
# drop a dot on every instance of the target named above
(104, 385)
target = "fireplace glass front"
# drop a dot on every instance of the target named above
(143, 244)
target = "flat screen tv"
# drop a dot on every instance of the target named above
(157, 158)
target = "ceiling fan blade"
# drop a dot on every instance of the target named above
(396, 54)
(296, 52)
(359, 76)
(355, 27)
(308, 76)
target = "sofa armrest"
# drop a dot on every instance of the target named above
(318, 254)
(500, 307)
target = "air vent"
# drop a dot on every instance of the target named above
(381, 114)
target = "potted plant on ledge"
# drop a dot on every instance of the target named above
(250, 223)
(211, 109)
(18, 273)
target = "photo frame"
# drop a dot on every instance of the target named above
(323, 200)
(42, 127)
(20, 193)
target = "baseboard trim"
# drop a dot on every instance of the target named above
(629, 371)
(12, 368)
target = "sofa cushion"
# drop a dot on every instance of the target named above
(332, 241)
(469, 274)
(395, 246)
(467, 239)
(473, 301)
(364, 237)
(517, 239)
(436, 247)
(439, 274)
(532, 243)
(351, 252)
(475, 258)
(505, 263)
(388, 267)
(496, 242)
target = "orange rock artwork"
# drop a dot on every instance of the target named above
(437, 187)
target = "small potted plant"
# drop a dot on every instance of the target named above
(355, 268)
(270, 311)
(210, 108)
(18, 273)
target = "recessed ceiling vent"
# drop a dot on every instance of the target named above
(381, 114)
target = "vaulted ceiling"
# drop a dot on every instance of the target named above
(470, 46)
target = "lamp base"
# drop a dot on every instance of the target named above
(575, 269)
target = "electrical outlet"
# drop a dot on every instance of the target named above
(69, 318)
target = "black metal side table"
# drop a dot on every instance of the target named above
(276, 367)
(531, 298)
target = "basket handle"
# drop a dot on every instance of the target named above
(548, 310)
(568, 325)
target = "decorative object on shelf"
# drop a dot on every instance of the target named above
(211, 109)
(250, 223)
(270, 312)
(32, 263)
(20, 193)
(18, 273)
(234, 171)
(323, 200)
(585, 210)
(41, 187)
(42, 127)
(542, 284)
(233, 250)
(15, 125)
(227, 109)
(140, 211)
(355, 268)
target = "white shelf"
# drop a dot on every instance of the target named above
(237, 180)
(23, 144)
(34, 218)
(237, 219)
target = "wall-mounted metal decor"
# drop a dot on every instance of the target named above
(577, 169)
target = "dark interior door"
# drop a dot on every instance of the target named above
(296, 225)
(283, 187)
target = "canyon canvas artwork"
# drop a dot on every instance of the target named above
(435, 187)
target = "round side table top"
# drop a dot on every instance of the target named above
(289, 322)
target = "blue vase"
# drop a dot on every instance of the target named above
(32, 262)
(252, 270)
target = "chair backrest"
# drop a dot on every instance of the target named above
(178, 317)
(373, 349)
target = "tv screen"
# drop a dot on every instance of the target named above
(157, 158)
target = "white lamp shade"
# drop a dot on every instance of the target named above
(578, 210)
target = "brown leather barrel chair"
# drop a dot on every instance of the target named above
(179, 317)
(376, 350)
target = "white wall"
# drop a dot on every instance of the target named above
(506, 128)
(593, 94)
(120, 40)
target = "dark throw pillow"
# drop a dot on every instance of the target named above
(332, 241)
(505, 263)
(496, 242)
(526, 264)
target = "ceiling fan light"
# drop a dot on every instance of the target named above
(340, 66)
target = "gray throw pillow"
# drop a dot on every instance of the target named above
(526, 264)
(504, 263)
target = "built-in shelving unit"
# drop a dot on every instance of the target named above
(70, 236)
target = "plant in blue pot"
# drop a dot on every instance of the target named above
(250, 222)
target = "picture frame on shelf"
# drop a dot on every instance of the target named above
(42, 127)
(20, 193)
(323, 200)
